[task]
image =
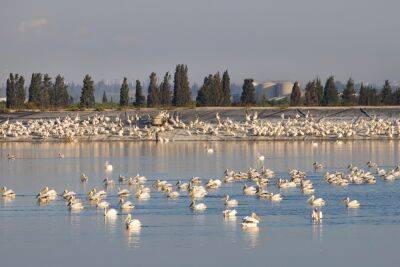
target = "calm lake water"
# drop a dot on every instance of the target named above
(172, 235)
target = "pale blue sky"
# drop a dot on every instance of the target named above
(262, 39)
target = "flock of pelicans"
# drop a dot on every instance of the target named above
(133, 126)
(197, 190)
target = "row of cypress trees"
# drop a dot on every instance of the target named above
(317, 95)
(215, 91)
(159, 94)
(43, 93)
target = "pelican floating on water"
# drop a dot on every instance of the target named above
(132, 223)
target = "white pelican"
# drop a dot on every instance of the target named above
(102, 204)
(182, 186)
(11, 156)
(110, 213)
(351, 204)
(7, 192)
(172, 194)
(251, 221)
(126, 205)
(108, 182)
(123, 192)
(140, 194)
(75, 206)
(260, 157)
(317, 202)
(84, 178)
(229, 213)
(198, 206)
(316, 215)
(249, 190)
(108, 167)
(60, 155)
(317, 166)
(68, 194)
(209, 150)
(132, 223)
(230, 203)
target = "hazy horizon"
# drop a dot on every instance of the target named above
(260, 39)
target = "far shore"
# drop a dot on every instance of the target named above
(208, 114)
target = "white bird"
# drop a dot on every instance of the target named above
(251, 221)
(132, 223)
(126, 205)
(108, 167)
(110, 213)
(123, 193)
(209, 150)
(351, 204)
(198, 206)
(229, 213)
(230, 203)
(249, 190)
(7, 192)
(316, 215)
(317, 202)
(102, 204)
(75, 206)
(260, 157)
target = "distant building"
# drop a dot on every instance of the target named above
(273, 89)
(3, 99)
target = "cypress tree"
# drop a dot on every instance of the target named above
(319, 90)
(331, 97)
(153, 94)
(35, 89)
(396, 97)
(87, 94)
(204, 94)
(386, 93)
(20, 92)
(363, 95)
(247, 97)
(104, 99)
(165, 90)
(226, 89)
(182, 95)
(216, 90)
(124, 93)
(10, 91)
(311, 98)
(139, 98)
(295, 96)
(349, 94)
(61, 96)
(372, 96)
(46, 92)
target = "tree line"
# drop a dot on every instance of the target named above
(317, 95)
(43, 93)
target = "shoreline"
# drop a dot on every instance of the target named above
(204, 131)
